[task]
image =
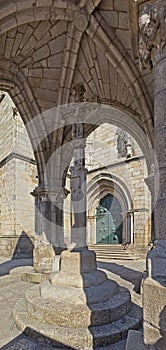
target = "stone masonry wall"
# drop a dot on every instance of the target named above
(17, 180)
(103, 156)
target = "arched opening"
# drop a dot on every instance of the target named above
(109, 223)
(118, 200)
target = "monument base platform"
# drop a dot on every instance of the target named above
(78, 307)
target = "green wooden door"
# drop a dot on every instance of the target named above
(109, 221)
(105, 228)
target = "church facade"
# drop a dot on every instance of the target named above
(116, 187)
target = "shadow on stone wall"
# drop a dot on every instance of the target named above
(24, 247)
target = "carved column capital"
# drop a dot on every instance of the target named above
(58, 195)
(152, 32)
(41, 193)
(45, 195)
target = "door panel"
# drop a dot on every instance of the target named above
(109, 221)
(105, 228)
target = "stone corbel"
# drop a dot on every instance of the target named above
(41, 193)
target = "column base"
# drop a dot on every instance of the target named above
(78, 307)
(156, 261)
(154, 308)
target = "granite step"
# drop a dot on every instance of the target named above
(46, 310)
(77, 338)
(108, 251)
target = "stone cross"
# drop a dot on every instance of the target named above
(78, 177)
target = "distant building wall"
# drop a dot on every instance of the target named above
(17, 179)
(116, 165)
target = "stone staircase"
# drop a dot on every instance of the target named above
(119, 315)
(112, 251)
(78, 308)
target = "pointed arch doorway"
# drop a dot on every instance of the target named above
(109, 222)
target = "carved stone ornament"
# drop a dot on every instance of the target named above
(45, 195)
(79, 92)
(41, 193)
(152, 32)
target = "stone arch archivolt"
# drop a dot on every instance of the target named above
(103, 182)
(96, 114)
(110, 114)
(20, 96)
(101, 185)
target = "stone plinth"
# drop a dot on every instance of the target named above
(78, 307)
(134, 341)
(44, 258)
(154, 301)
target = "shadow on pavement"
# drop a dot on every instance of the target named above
(39, 343)
(7, 266)
(126, 273)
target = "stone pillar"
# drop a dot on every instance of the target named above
(78, 176)
(150, 182)
(42, 210)
(78, 188)
(153, 55)
(43, 253)
(152, 48)
(48, 227)
(57, 198)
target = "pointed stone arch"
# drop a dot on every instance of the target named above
(127, 70)
(99, 187)
(22, 96)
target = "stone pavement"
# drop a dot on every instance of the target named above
(126, 273)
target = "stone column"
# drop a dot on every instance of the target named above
(42, 209)
(152, 48)
(57, 198)
(78, 188)
(78, 175)
(43, 253)
(49, 227)
(150, 182)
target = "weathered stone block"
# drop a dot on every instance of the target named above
(42, 53)
(134, 341)
(106, 5)
(111, 17)
(154, 301)
(32, 277)
(120, 5)
(123, 20)
(58, 44)
(43, 258)
(80, 262)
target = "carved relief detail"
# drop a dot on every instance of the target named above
(152, 32)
